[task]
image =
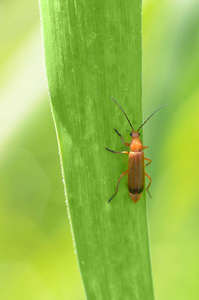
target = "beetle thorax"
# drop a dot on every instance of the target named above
(136, 144)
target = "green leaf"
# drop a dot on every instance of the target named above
(93, 51)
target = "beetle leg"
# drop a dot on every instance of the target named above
(123, 152)
(125, 172)
(149, 194)
(150, 161)
(127, 144)
(147, 189)
(145, 147)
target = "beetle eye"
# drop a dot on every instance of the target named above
(138, 133)
(131, 134)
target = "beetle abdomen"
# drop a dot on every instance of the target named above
(136, 172)
(135, 197)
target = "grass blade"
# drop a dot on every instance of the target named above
(93, 51)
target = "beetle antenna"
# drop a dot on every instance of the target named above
(123, 113)
(151, 116)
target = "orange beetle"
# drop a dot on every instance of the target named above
(136, 168)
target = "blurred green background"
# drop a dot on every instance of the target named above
(37, 259)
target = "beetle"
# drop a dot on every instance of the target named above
(136, 165)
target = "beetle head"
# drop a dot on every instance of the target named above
(135, 134)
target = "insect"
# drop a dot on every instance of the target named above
(136, 165)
